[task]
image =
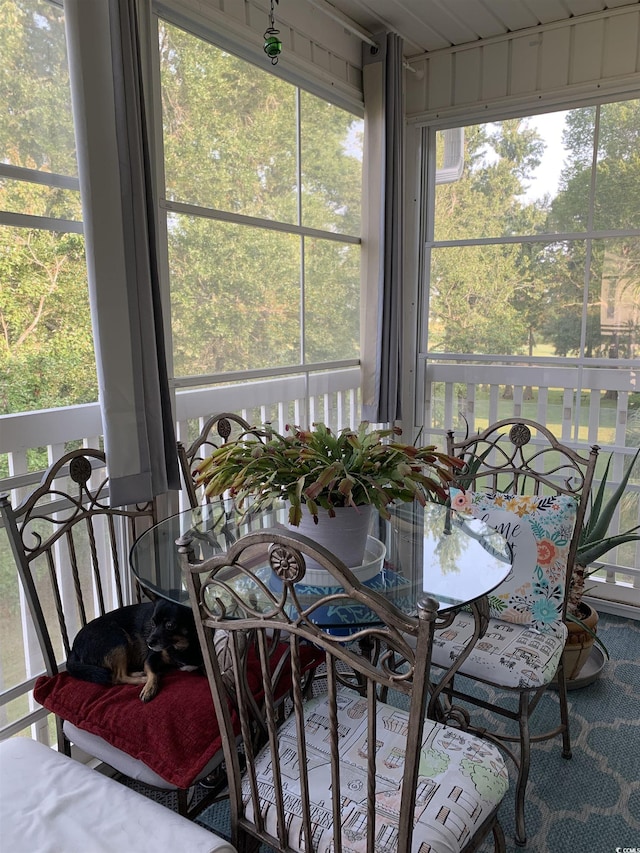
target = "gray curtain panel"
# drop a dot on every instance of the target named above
(120, 235)
(381, 314)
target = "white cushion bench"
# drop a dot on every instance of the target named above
(52, 804)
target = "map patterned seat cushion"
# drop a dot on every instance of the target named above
(461, 780)
(508, 655)
(539, 531)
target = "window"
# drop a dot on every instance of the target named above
(536, 248)
(46, 345)
(263, 190)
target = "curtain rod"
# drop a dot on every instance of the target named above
(351, 26)
(347, 23)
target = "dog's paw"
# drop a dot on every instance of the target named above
(148, 692)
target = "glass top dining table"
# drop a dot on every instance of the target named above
(429, 551)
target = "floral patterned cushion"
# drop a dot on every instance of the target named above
(460, 781)
(539, 531)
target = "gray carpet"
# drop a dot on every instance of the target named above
(590, 804)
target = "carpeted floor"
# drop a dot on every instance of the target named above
(590, 804)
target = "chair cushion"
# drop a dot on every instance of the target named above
(176, 735)
(52, 804)
(508, 655)
(539, 531)
(461, 779)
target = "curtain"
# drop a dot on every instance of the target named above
(382, 268)
(112, 140)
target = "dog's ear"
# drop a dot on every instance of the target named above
(164, 610)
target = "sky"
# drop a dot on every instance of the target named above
(546, 176)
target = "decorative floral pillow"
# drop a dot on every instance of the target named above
(539, 531)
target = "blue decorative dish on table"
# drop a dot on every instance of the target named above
(345, 616)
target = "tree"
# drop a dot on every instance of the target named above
(46, 345)
(484, 298)
(231, 145)
(613, 283)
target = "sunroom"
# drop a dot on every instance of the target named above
(422, 214)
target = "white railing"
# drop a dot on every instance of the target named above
(330, 396)
(563, 397)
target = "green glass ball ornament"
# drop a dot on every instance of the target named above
(272, 46)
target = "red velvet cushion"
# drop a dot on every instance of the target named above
(176, 734)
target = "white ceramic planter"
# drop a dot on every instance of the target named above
(345, 535)
(371, 565)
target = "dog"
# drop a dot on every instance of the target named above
(135, 644)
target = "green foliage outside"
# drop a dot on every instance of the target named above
(521, 297)
(238, 292)
(230, 135)
(46, 345)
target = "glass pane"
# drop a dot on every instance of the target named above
(332, 301)
(495, 299)
(46, 355)
(331, 157)
(617, 203)
(513, 174)
(235, 296)
(229, 131)
(529, 299)
(610, 328)
(569, 153)
(615, 297)
(39, 200)
(36, 130)
(472, 306)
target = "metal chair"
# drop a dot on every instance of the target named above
(216, 431)
(70, 549)
(345, 769)
(521, 480)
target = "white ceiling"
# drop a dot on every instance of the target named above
(427, 25)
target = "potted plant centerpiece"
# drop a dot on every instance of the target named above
(594, 543)
(325, 477)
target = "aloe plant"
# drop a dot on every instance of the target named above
(594, 542)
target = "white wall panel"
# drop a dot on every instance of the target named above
(586, 53)
(440, 80)
(554, 55)
(524, 64)
(417, 91)
(302, 46)
(620, 54)
(321, 57)
(495, 71)
(467, 77)
(235, 9)
(566, 60)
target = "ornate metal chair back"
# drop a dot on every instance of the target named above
(71, 547)
(316, 767)
(217, 430)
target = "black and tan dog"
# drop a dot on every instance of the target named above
(135, 644)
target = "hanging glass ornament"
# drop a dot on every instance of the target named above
(272, 43)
